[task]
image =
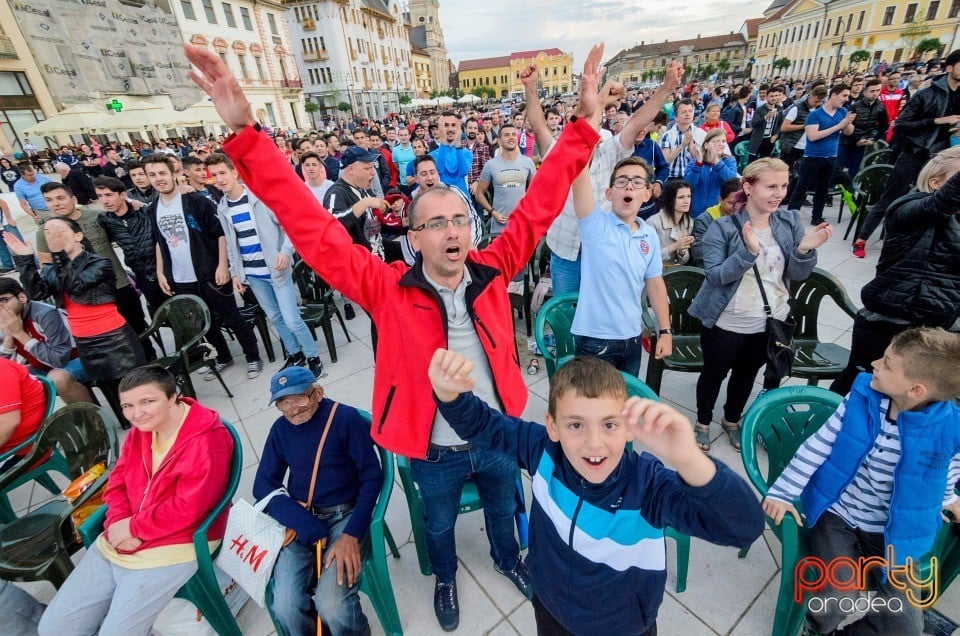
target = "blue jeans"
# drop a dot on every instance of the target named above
(279, 302)
(440, 477)
(20, 611)
(295, 581)
(6, 259)
(623, 354)
(564, 275)
(849, 158)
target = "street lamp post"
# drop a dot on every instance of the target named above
(840, 46)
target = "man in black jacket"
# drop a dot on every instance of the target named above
(735, 114)
(765, 125)
(922, 130)
(191, 254)
(132, 229)
(870, 125)
(78, 181)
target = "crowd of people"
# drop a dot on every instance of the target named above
(427, 224)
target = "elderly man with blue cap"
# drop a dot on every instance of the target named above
(332, 488)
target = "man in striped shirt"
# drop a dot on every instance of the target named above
(261, 255)
(863, 490)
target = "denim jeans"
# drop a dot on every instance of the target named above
(849, 158)
(6, 259)
(279, 302)
(623, 354)
(19, 612)
(295, 582)
(440, 477)
(564, 275)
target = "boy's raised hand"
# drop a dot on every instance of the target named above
(666, 433)
(776, 509)
(449, 374)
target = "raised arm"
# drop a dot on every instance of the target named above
(534, 111)
(642, 117)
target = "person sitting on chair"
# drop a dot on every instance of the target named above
(173, 469)
(330, 503)
(22, 405)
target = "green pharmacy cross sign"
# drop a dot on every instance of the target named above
(115, 106)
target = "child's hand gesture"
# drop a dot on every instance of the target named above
(668, 434)
(776, 509)
(449, 374)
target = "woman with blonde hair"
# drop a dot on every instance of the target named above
(760, 244)
(916, 284)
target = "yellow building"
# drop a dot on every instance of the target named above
(818, 37)
(640, 63)
(422, 76)
(501, 74)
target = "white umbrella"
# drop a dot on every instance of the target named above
(68, 121)
(198, 114)
(469, 99)
(136, 115)
(443, 100)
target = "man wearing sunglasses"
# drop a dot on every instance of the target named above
(451, 298)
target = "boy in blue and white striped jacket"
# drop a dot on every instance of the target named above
(597, 555)
(874, 478)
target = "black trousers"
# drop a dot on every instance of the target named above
(150, 289)
(129, 306)
(905, 171)
(741, 355)
(870, 339)
(547, 625)
(223, 310)
(816, 173)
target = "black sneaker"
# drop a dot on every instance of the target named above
(295, 360)
(348, 311)
(520, 578)
(315, 366)
(446, 606)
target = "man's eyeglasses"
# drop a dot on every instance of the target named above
(438, 225)
(294, 401)
(636, 182)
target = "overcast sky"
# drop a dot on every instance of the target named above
(490, 28)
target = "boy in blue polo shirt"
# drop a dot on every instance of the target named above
(620, 256)
(597, 557)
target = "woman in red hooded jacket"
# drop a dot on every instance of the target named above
(173, 469)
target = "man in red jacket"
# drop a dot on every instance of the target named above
(451, 298)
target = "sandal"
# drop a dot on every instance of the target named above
(702, 436)
(732, 429)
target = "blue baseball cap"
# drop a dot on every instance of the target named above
(356, 153)
(291, 381)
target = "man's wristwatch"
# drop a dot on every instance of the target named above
(666, 332)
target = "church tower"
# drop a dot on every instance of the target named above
(425, 17)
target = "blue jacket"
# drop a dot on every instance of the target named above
(706, 181)
(929, 439)
(650, 151)
(597, 555)
(726, 260)
(453, 166)
(349, 471)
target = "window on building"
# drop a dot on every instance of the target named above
(272, 21)
(245, 17)
(954, 9)
(474, 82)
(228, 14)
(554, 70)
(888, 15)
(258, 62)
(271, 118)
(323, 45)
(826, 29)
(793, 34)
(208, 9)
(244, 73)
(911, 13)
(860, 20)
(503, 79)
(188, 12)
(223, 56)
(808, 32)
(932, 10)
(816, 28)
(839, 26)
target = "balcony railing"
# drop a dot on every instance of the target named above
(291, 83)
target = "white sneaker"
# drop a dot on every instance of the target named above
(219, 366)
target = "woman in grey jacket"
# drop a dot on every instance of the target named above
(729, 303)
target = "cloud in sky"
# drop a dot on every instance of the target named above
(490, 28)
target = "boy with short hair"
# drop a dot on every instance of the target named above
(874, 477)
(597, 557)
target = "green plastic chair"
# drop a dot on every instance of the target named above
(202, 589)
(469, 501)
(816, 360)
(742, 153)
(318, 306)
(374, 575)
(188, 317)
(38, 473)
(532, 272)
(637, 388)
(37, 546)
(875, 156)
(557, 314)
(868, 187)
(682, 283)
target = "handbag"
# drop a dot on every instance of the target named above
(253, 539)
(780, 347)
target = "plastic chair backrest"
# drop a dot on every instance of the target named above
(312, 288)
(389, 468)
(877, 156)
(233, 482)
(784, 418)
(682, 284)
(742, 152)
(50, 393)
(557, 313)
(187, 316)
(871, 181)
(636, 388)
(85, 434)
(806, 296)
